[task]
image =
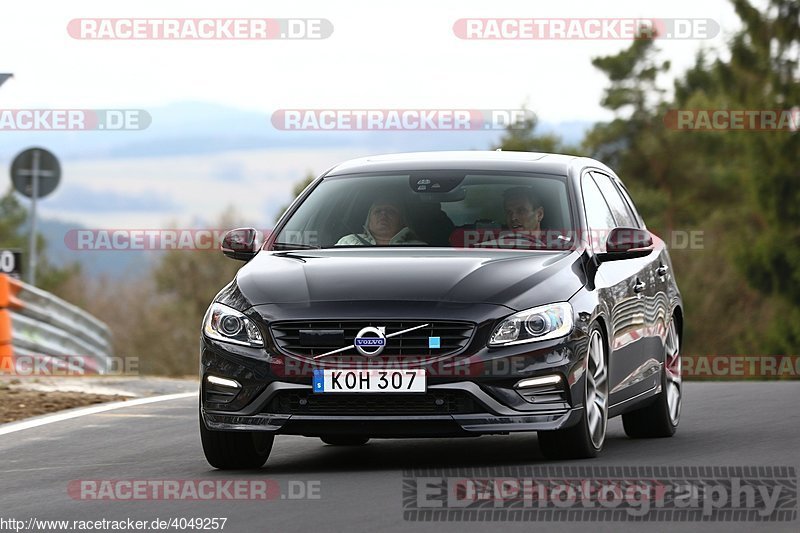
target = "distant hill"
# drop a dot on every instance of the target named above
(196, 128)
(111, 264)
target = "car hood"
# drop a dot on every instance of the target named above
(511, 278)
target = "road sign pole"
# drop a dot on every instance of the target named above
(34, 196)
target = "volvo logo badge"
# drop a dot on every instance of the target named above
(370, 341)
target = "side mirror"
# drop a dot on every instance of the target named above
(241, 244)
(626, 243)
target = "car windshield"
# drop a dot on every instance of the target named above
(453, 209)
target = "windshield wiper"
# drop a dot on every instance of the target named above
(295, 246)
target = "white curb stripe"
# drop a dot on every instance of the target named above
(58, 417)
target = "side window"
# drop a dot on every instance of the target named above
(598, 215)
(626, 195)
(620, 209)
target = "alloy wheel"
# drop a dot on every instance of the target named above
(596, 390)
(672, 363)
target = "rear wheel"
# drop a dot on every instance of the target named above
(235, 450)
(585, 439)
(345, 440)
(661, 417)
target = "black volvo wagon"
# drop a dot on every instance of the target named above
(445, 294)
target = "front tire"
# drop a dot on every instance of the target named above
(661, 417)
(235, 450)
(586, 438)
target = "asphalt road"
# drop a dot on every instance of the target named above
(361, 488)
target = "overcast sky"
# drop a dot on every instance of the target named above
(380, 55)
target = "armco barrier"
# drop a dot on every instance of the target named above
(40, 327)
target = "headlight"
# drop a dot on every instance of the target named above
(226, 324)
(537, 324)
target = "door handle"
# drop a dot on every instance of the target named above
(662, 270)
(639, 286)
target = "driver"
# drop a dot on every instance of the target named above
(385, 225)
(524, 211)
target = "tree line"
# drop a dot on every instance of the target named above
(738, 190)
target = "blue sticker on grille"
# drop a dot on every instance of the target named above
(319, 381)
(434, 342)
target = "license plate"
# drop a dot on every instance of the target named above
(372, 380)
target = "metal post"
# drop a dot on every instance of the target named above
(32, 242)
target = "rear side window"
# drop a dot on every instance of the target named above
(619, 207)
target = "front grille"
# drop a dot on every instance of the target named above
(454, 337)
(429, 403)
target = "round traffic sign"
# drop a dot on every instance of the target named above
(35, 161)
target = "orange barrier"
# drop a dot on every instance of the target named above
(9, 288)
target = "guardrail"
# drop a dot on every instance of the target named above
(41, 331)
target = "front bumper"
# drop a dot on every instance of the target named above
(497, 418)
(485, 378)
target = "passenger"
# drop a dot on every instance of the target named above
(386, 225)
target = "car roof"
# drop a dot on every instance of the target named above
(467, 160)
